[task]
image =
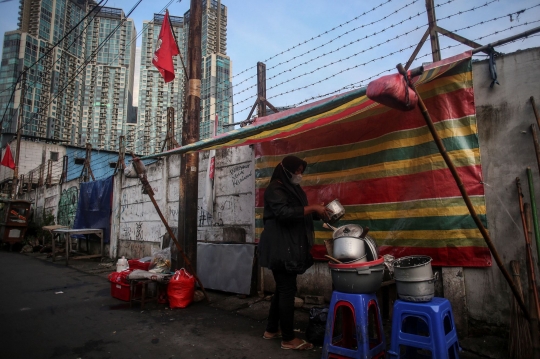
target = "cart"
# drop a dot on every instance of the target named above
(14, 218)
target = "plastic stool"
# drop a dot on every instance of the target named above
(423, 330)
(353, 328)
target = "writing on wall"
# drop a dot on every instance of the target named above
(240, 173)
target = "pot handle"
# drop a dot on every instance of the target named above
(368, 270)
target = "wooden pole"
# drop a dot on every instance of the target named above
(189, 167)
(261, 89)
(533, 293)
(466, 198)
(19, 129)
(528, 250)
(432, 21)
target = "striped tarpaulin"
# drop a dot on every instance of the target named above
(384, 167)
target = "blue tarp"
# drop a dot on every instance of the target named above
(94, 208)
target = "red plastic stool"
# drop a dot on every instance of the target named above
(354, 328)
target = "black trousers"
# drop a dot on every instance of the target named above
(281, 313)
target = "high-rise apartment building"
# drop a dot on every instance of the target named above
(76, 93)
(108, 91)
(52, 100)
(216, 86)
(154, 94)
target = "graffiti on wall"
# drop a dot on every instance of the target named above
(67, 207)
(240, 173)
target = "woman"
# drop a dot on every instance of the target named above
(285, 245)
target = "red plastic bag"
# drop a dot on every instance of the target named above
(120, 277)
(181, 289)
(392, 91)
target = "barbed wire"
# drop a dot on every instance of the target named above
(487, 3)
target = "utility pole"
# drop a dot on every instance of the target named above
(434, 37)
(261, 89)
(19, 129)
(189, 167)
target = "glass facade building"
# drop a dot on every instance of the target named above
(75, 93)
(108, 90)
(155, 96)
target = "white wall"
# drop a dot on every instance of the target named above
(31, 157)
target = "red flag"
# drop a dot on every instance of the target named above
(8, 159)
(165, 50)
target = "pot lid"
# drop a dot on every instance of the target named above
(348, 230)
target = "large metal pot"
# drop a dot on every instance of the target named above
(413, 268)
(358, 278)
(349, 248)
(416, 290)
(356, 231)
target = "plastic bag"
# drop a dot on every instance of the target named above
(161, 261)
(130, 172)
(392, 91)
(181, 289)
(317, 325)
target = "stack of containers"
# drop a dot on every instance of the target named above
(414, 277)
(361, 269)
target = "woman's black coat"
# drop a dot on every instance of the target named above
(287, 237)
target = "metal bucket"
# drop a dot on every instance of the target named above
(416, 290)
(413, 268)
(349, 248)
(335, 211)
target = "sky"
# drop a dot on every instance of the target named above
(313, 49)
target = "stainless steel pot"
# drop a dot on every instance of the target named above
(413, 268)
(416, 290)
(349, 248)
(335, 210)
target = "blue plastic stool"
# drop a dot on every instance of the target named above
(353, 328)
(423, 330)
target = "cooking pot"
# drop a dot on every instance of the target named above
(335, 210)
(357, 278)
(349, 248)
(416, 290)
(411, 268)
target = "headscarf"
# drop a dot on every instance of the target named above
(291, 164)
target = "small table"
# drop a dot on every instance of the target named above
(68, 232)
(135, 284)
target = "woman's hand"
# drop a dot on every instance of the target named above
(320, 209)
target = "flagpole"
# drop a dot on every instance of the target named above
(176, 42)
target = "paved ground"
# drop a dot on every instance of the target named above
(50, 310)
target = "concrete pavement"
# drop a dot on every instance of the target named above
(50, 310)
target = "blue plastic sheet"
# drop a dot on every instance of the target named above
(94, 208)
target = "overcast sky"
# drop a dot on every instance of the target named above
(360, 48)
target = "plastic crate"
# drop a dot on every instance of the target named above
(136, 264)
(121, 291)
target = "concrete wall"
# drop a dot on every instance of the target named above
(33, 154)
(504, 115)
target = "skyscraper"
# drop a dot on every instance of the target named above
(108, 90)
(154, 94)
(52, 87)
(76, 93)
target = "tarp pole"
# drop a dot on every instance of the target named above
(466, 198)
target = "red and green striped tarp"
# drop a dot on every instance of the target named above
(384, 167)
